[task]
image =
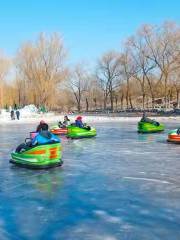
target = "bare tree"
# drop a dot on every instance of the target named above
(78, 83)
(41, 66)
(108, 74)
(4, 70)
(176, 85)
(147, 69)
(128, 70)
(163, 44)
(143, 66)
(96, 93)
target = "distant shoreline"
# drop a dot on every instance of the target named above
(89, 118)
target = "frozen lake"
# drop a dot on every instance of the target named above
(118, 186)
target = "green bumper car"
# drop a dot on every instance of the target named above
(39, 157)
(150, 127)
(76, 132)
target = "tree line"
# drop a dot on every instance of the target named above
(144, 73)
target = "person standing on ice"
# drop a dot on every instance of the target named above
(12, 115)
(17, 114)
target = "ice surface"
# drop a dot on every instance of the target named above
(118, 186)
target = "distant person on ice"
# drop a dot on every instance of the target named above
(17, 114)
(12, 115)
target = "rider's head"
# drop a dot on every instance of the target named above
(44, 127)
(42, 122)
(79, 118)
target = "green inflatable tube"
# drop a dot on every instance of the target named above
(76, 132)
(147, 127)
(39, 157)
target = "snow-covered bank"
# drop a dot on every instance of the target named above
(52, 118)
(31, 114)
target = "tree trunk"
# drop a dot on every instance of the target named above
(95, 103)
(87, 105)
(152, 96)
(19, 97)
(130, 101)
(105, 101)
(177, 98)
(111, 99)
(116, 101)
(151, 91)
(79, 99)
(79, 106)
(147, 102)
(165, 92)
(122, 100)
(127, 97)
(143, 100)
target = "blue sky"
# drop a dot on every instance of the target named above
(89, 27)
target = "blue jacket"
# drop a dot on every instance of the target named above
(45, 137)
(79, 124)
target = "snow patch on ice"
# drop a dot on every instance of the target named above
(107, 217)
(148, 179)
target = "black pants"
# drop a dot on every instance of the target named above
(87, 128)
(23, 147)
